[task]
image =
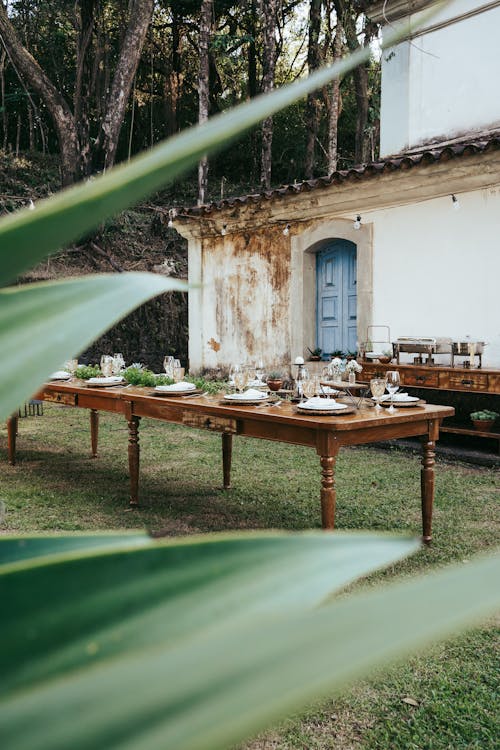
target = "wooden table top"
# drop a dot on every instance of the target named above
(285, 413)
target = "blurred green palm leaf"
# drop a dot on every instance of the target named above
(193, 645)
(41, 325)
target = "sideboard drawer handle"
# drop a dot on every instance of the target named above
(466, 382)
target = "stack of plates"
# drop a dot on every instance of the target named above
(318, 405)
(60, 375)
(176, 388)
(104, 382)
(250, 396)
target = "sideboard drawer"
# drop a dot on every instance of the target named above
(470, 381)
(68, 399)
(494, 383)
(422, 379)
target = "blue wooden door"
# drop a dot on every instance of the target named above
(336, 297)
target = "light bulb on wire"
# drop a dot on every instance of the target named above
(455, 203)
(357, 222)
(286, 230)
(223, 231)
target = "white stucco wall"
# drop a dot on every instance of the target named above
(436, 271)
(445, 83)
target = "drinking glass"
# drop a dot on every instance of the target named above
(240, 379)
(168, 366)
(177, 371)
(377, 387)
(118, 363)
(392, 383)
(71, 366)
(107, 365)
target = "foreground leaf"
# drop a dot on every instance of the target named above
(26, 237)
(159, 593)
(210, 686)
(41, 325)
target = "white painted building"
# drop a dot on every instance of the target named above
(292, 269)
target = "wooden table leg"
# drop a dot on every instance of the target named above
(133, 459)
(227, 453)
(427, 487)
(12, 423)
(94, 431)
(328, 493)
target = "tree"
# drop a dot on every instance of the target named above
(79, 155)
(204, 88)
(313, 108)
(268, 10)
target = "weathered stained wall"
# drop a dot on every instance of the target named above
(245, 298)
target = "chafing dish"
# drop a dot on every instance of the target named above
(428, 345)
(464, 349)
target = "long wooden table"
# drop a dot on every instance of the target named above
(326, 434)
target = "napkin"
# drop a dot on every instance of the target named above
(183, 386)
(321, 403)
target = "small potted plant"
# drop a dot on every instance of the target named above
(484, 419)
(274, 380)
(385, 357)
(315, 354)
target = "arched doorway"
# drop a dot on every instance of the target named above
(336, 297)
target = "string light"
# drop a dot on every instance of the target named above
(455, 202)
(286, 230)
(171, 216)
(223, 231)
(31, 205)
(357, 223)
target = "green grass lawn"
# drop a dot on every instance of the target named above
(444, 698)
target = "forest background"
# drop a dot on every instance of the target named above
(87, 84)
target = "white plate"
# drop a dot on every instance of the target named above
(322, 404)
(112, 380)
(176, 388)
(60, 375)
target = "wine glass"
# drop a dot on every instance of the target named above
(240, 378)
(309, 387)
(107, 365)
(168, 366)
(259, 371)
(392, 382)
(377, 387)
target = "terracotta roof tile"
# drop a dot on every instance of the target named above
(431, 155)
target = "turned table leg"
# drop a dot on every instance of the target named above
(227, 452)
(328, 493)
(11, 438)
(94, 431)
(427, 487)
(133, 459)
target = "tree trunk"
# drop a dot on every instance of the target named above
(5, 121)
(268, 11)
(313, 107)
(141, 12)
(204, 88)
(84, 81)
(334, 105)
(56, 105)
(348, 15)
(173, 79)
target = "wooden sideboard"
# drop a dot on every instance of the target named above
(458, 380)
